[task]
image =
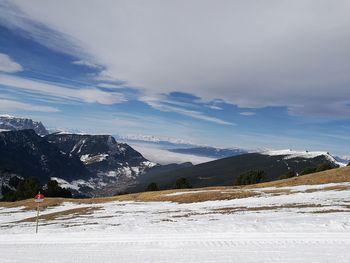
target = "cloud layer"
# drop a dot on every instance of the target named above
(89, 94)
(249, 53)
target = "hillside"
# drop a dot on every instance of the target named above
(271, 220)
(29, 155)
(86, 164)
(330, 177)
(223, 172)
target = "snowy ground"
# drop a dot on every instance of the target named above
(309, 224)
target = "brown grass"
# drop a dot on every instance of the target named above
(331, 176)
(29, 204)
(69, 212)
(194, 196)
(330, 211)
(338, 175)
(229, 210)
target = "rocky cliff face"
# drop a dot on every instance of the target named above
(114, 165)
(29, 155)
(9, 123)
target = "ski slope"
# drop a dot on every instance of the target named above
(290, 224)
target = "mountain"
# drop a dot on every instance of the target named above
(154, 139)
(223, 171)
(114, 165)
(210, 152)
(345, 160)
(29, 155)
(10, 123)
(92, 165)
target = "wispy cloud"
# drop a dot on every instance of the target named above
(8, 65)
(86, 63)
(302, 58)
(167, 107)
(214, 107)
(90, 95)
(16, 105)
(247, 113)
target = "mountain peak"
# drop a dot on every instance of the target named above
(11, 123)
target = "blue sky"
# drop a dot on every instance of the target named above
(272, 76)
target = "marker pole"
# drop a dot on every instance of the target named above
(37, 218)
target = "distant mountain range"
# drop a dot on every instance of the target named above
(210, 152)
(10, 123)
(99, 165)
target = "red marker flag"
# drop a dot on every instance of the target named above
(39, 198)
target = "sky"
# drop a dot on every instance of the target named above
(240, 73)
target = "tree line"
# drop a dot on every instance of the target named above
(20, 189)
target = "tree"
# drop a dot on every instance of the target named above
(251, 177)
(319, 168)
(287, 175)
(182, 183)
(324, 167)
(309, 170)
(54, 190)
(26, 188)
(152, 187)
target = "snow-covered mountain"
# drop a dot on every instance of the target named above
(153, 138)
(87, 164)
(27, 154)
(211, 152)
(343, 159)
(10, 123)
(290, 154)
(113, 165)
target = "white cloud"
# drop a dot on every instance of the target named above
(108, 85)
(16, 105)
(159, 105)
(90, 95)
(214, 107)
(86, 63)
(249, 53)
(247, 113)
(8, 65)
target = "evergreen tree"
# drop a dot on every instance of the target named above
(251, 177)
(182, 183)
(287, 175)
(309, 170)
(152, 187)
(54, 190)
(26, 188)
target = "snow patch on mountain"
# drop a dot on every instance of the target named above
(290, 154)
(73, 185)
(87, 158)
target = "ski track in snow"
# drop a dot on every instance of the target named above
(196, 232)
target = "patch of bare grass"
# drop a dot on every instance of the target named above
(69, 212)
(230, 210)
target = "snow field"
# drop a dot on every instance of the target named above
(296, 227)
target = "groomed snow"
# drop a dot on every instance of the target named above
(303, 226)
